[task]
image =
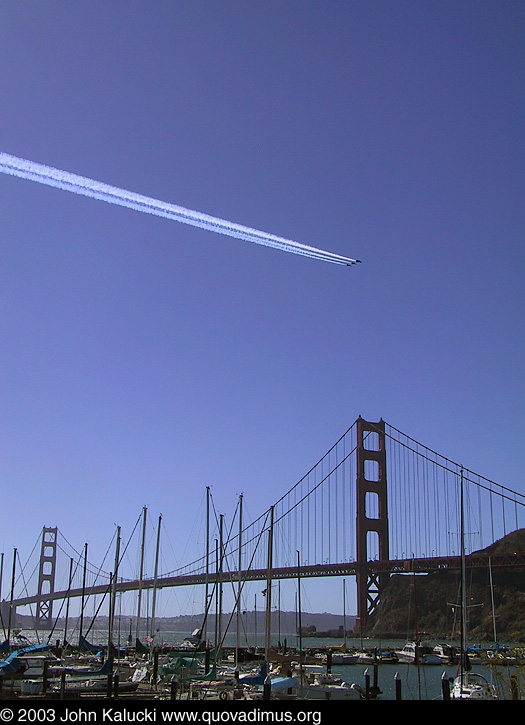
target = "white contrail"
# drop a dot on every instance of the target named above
(97, 190)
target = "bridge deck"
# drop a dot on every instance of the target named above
(399, 566)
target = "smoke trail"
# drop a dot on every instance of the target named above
(97, 190)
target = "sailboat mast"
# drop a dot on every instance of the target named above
(221, 564)
(344, 611)
(299, 622)
(11, 599)
(113, 594)
(144, 513)
(239, 584)
(216, 628)
(68, 600)
(207, 585)
(83, 596)
(463, 579)
(492, 603)
(155, 576)
(1, 580)
(269, 587)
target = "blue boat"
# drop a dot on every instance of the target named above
(13, 663)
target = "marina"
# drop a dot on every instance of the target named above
(370, 672)
(97, 656)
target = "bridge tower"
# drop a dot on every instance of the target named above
(46, 579)
(372, 516)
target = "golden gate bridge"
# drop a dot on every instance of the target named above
(377, 503)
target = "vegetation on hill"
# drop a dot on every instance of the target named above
(413, 604)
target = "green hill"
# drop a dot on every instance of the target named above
(423, 603)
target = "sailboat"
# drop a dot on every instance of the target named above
(468, 685)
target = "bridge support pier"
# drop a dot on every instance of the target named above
(372, 516)
(46, 579)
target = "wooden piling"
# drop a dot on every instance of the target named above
(397, 681)
(445, 686)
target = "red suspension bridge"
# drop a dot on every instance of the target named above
(377, 503)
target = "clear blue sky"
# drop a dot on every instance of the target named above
(142, 360)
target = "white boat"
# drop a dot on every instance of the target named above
(329, 687)
(345, 658)
(468, 685)
(418, 654)
(324, 686)
(472, 686)
(446, 653)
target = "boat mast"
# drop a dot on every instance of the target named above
(344, 611)
(113, 595)
(83, 596)
(1, 580)
(68, 599)
(11, 599)
(154, 600)
(206, 588)
(492, 602)
(300, 626)
(239, 585)
(144, 513)
(463, 582)
(255, 621)
(269, 587)
(216, 627)
(221, 563)
(279, 610)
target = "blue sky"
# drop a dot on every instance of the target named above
(143, 360)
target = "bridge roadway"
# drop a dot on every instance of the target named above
(397, 566)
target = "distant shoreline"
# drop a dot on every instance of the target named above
(321, 622)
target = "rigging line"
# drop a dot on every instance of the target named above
(127, 545)
(92, 568)
(224, 556)
(63, 603)
(95, 615)
(480, 518)
(216, 583)
(79, 555)
(199, 562)
(27, 593)
(21, 575)
(92, 571)
(97, 574)
(28, 559)
(239, 593)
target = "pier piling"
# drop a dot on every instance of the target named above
(445, 686)
(397, 681)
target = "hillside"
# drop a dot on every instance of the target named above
(286, 622)
(423, 603)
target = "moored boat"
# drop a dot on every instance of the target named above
(418, 654)
(472, 686)
(345, 658)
